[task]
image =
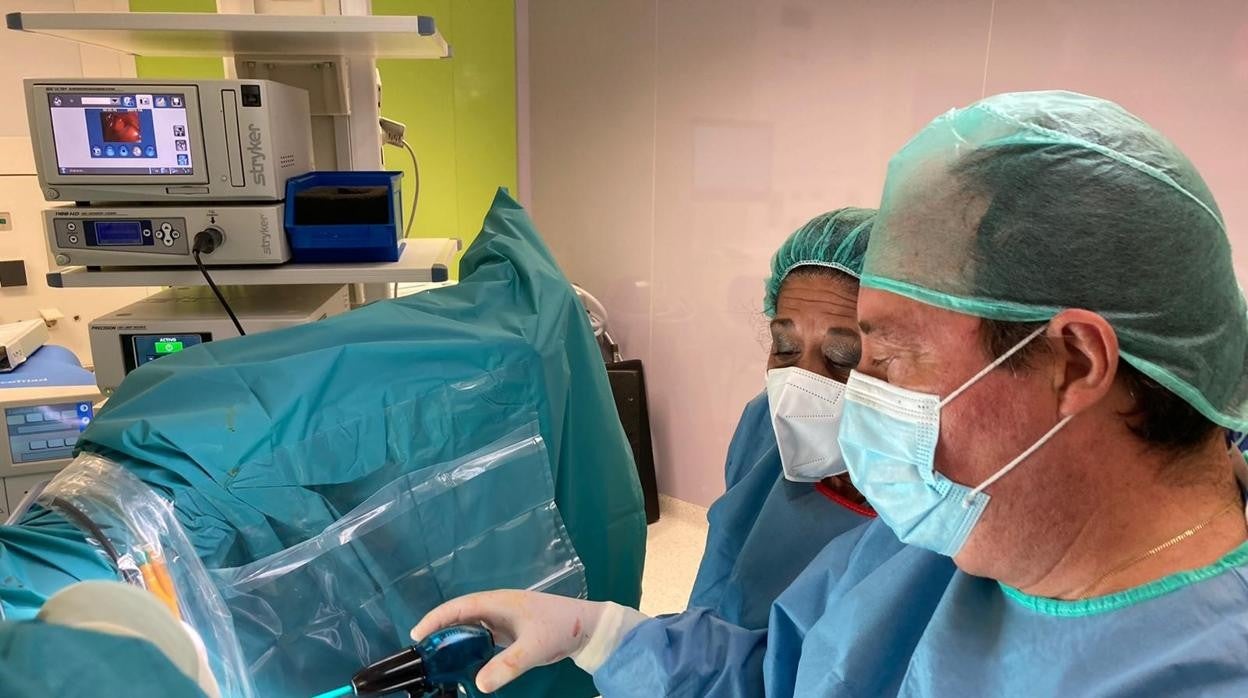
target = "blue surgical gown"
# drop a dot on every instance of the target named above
(871, 617)
(697, 653)
(764, 530)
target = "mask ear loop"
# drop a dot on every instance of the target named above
(1238, 444)
(993, 366)
(966, 501)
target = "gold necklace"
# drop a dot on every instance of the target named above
(1164, 546)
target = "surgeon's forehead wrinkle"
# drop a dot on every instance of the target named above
(816, 289)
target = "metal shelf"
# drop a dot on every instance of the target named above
(204, 34)
(422, 260)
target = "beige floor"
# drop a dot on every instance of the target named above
(673, 551)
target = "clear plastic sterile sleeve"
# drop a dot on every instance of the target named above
(137, 530)
(312, 615)
(305, 619)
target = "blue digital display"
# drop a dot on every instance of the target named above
(119, 233)
(40, 433)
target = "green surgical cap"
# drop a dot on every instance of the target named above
(837, 240)
(1023, 205)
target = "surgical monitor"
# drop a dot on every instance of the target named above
(163, 141)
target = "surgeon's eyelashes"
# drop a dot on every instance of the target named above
(842, 350)
(839, 353)
(784, 348)
(876, 366)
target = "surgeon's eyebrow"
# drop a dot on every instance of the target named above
(782, 337)
(867, 328)
(885, 333)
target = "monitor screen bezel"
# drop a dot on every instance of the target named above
(45, 139)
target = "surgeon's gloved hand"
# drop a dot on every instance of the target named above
(536, 629)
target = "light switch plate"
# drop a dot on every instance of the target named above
(6, 221)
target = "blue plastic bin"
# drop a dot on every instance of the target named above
(337, 217)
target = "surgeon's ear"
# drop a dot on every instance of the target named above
(1085, 350)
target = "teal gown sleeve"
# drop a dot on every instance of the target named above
(39, 558)
(38, 660)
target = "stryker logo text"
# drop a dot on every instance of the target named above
(257, 154)
(266, 238)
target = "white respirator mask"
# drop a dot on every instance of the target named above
(806, 416)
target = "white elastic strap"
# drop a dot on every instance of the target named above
(819, 263)
(616, 622)
(1239, 444)
(990, 367)
(966, 501)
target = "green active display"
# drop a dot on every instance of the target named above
(149, 347)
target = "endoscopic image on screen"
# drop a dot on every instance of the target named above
(121, 126)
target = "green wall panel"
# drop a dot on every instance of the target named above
(162, 67)
(460, 113)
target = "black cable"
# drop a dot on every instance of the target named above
(207, 241)
(87, 526)
(84, 523)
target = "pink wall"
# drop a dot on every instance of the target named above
(674, 145)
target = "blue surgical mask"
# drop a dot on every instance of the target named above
(888, 440)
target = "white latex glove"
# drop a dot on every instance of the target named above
(537, 629)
